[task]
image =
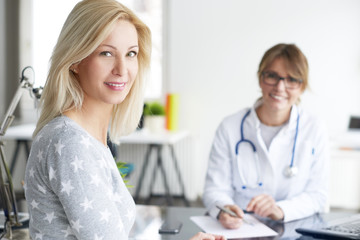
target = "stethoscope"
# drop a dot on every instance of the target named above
(289, 171)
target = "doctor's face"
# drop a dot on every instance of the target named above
(107, 75)
(280, 96)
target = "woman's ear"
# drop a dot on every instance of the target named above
(74, 68)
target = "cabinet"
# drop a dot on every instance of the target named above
(345, 179)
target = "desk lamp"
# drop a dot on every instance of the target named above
(7, 194)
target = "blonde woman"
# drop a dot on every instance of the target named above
(73, 187)
(270, 159)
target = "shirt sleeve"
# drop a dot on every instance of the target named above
(78, 176)
(218, 184)
(314, 198)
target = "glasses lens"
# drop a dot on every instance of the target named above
(292, 83)
(270, 78)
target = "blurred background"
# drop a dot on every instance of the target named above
(207, 52)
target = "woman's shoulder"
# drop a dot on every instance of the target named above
(309, 117)
(312, 122)
(236, 116)
(61, 130)
(233, 119)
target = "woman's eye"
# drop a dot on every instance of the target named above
(106, 53)
(294, 80)
(132, 54)
(272, 75)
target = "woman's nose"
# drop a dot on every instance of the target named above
(281, 84)
(120, 67)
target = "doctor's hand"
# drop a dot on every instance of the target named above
(229, 221)
(265, 206)
(207, 236)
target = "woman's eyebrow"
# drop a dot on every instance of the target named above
(107, 45)
(113, 47)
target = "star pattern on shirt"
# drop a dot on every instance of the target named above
(96, 237)
(105, 215)
(68, 231)
(52, 173)
(67, 187)
(95, 179)
(41, 189)
(50, 217)
(31, 172)
(34, 204)
(59, 125)
(85, 141)
(118, 197)
(130, 214)
(39, 236)
(77, 163)
(102, 163)
(76, 225)
(86, 204)
(38, 137)
(120, 225)
(58, 147)
(40, 155)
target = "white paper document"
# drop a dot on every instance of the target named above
(254, 228)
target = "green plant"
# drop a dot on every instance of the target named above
(154, 109)
(123, 167)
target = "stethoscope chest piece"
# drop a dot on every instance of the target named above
(290, 171)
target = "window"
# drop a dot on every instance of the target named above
(49, 16)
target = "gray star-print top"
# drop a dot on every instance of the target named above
(73, 188)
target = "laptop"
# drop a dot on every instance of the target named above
(354, 123)
(342, 228)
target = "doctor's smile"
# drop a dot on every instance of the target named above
(277, 97)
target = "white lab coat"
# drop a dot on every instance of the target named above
(299, 196)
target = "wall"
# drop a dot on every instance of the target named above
(9, 52)
(215, 47)
(2, 57)
(11, 66)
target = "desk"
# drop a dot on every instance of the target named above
(156, 142)
(149, 219)
(22, 134)
(152, 215)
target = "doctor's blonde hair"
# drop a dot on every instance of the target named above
(89, 24)
(295, 61)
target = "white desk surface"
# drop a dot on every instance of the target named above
(25, 131)
(145, 137)
(20, 132)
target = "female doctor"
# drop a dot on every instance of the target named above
(271, 159)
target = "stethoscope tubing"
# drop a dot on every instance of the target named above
(296, 134)
(290, 168)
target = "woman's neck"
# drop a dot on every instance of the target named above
(95, 120)
(272, 118)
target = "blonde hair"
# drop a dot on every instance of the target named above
(88, 24)
(295, 61)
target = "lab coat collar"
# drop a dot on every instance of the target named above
(295, 110)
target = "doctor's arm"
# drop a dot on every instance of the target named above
(313, 198)
(218, 189)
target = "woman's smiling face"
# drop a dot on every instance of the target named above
(107, 75)
(278, 97)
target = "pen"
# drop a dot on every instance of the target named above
(231, 213)
(248, 212)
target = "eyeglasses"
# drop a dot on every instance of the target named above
(272, 79)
